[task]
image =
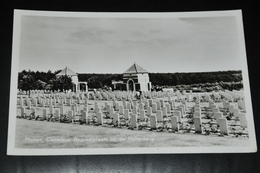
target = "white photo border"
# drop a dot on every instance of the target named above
(11, 150)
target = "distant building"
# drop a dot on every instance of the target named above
(117, 84)
(136, 78)
(74, 77)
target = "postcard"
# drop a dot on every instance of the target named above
(88, 83)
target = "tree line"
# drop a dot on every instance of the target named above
(194, 78)
(47, 80)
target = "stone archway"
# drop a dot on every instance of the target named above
(78, 88)
(130, 85)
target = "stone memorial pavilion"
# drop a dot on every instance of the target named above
(74, 77)
(136, 78)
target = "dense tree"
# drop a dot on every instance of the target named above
(40, 85)
(94, 82)
(47, 80)
(61, 83)
(27, 83)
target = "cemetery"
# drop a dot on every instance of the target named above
(191, 96)
(153, 119)
(134, 116)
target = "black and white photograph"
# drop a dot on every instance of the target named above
(85, 83)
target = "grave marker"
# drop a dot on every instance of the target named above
(116, 120)
(97, 110)
(85, 108)
(124, 104)
(111, 111)
(146, 104)
(174, 123)
(29, 104)
(172, 104)
(44, 114)
(214, 110)
(158, 105)
(154, 107)
(51, 110)
(197, 109)
(197, 124)
(153, 121)
(108, 107)
(184, 107)
(22, 111)
(62, 110)
(99, 118)
(54, 102)
(21, 101)
(34, 112)
(149, 111)
(161, 103)
(129, 106)
(222, 122)
(142, 115)
(133, 121)
(230, 108)
(236, 112)
(168, 108)
(178, 114)
(57, 114)
(242, 119)
(197, 114)
(218, 115)
(117, 106)
(70, 115)
(150, 102)
(159, 116)
(164, 111)
(141, 106)
(134, 110)
(213, 106)
(84, 115)
(181, 110)
(121, 109)
(126, 114)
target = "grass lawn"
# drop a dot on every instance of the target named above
(42, 134)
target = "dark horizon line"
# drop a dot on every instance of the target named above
(148, 72)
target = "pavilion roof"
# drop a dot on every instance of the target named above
(135, 69)
(66, 72)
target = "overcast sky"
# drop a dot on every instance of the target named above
(112, 45)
